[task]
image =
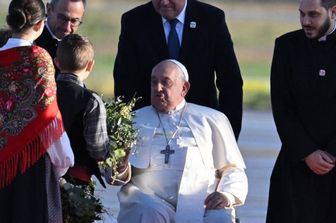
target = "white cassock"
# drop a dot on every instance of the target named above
(203, 142)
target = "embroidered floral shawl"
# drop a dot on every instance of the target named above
(30, 120)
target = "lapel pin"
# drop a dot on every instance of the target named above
(322, 73)
(193, 25)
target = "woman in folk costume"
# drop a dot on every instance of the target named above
(34, 149)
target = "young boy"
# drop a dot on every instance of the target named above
(83, 111)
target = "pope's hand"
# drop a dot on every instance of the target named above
(123, 162)
(216, 200)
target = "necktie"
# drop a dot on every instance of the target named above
(173, 41)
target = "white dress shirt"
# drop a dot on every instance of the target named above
(179, 26)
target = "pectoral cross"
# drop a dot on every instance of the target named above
(167, 152)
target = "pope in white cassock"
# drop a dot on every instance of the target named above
(186, 165)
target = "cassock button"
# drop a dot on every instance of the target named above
(322, 73)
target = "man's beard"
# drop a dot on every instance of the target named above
(322, 30)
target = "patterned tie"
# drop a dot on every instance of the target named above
(173, 41)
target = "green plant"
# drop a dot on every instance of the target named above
(121, 131)
(79, 205)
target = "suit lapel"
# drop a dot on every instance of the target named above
(156, 33)
(190, 31)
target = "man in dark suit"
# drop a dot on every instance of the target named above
(206, 49)
(64, 18)
(303, 93)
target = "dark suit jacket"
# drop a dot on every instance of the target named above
(46, 41)
(206, 50)
(303, 93)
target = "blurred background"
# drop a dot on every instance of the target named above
(253, 25)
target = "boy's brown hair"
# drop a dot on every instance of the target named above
(74, 52)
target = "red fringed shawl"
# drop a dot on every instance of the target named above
(30, 120)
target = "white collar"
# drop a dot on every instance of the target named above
(51, 33)
(324, 38)
(15, 42)
(180, 17)
(178, 108)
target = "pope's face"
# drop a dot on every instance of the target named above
(65, 17)
(315, 19)
(167, 87)
(169, 9)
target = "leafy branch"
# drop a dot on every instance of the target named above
(121, 131)
(79, 204)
